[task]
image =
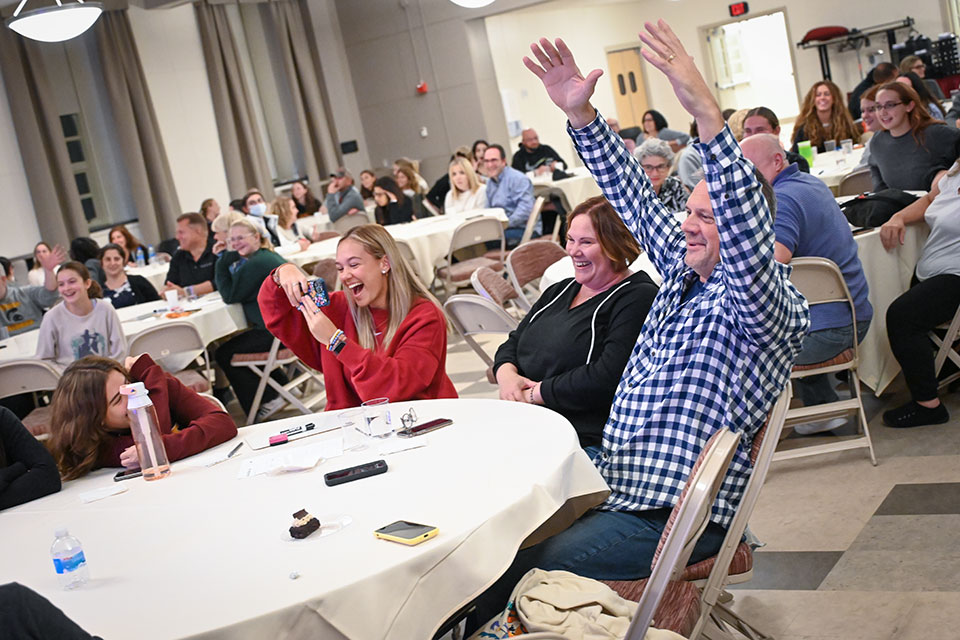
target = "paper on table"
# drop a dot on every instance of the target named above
(101, 493)
(297, 459)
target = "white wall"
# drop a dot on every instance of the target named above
(168, 41)
(590, 27)
(20, 230)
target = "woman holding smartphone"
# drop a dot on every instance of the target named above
(90, 428)
(384, 335)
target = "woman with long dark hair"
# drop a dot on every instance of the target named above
(393, 206)
(824, 116)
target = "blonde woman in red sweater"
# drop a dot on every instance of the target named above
(384, 335)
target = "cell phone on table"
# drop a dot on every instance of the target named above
(317, 290)
(426, 427)
(126, 474)
(409, 533)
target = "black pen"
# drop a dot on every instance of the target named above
(234, 451)
(292, 432)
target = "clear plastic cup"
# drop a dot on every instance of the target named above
(172, 297)
(829, 145)
(353, 429)
(847, 145)
(377, 417)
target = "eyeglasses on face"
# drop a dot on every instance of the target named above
(650, 168)
(240, 237)
(888, 106)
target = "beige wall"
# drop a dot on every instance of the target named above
(20, 231)
(168, 41)
(588, 28)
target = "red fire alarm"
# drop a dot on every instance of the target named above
(738, 9)
(422, 87)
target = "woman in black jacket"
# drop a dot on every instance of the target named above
(123, 290)
(392, 205)
(569, 352)
(27, 470)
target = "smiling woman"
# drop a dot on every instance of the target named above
(384, 336)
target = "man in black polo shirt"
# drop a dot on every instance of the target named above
(192, 267)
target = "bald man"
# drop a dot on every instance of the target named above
(809, 223)
(536, 157)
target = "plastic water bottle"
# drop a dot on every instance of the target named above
(68, 560)
(141, 257)
(151, 254)
(146, 432)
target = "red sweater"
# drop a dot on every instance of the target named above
(412, 367)
(202, 424)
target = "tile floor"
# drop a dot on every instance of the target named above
(853, 551)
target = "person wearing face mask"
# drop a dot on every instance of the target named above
(240, 270)
(121, 289)
(90, 428)
(255, 208)
(466, 191)
(83, 325)
(384, 335)
(596, 316)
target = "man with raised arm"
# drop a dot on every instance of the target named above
(717, 346)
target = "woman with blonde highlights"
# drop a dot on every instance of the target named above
(384, 335)
(287, 230)
(466, 192)
(90, 428)
(823, 117)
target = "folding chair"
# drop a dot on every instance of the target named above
(946, 349)
(821, 282)
(687, 612)
(179, 337)
(501, 254)
(472, 315)
(407, 252)
(855, 183)
(527, 263)
(490, 284)
(349, 221)
(429, 209)
(468, 234)
(30, 376)
(263, 364)
(327, 269)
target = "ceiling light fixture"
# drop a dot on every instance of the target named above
(55, 24)
(472, 4)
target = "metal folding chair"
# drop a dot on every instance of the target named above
(171, 338)
(30, 376)
(263, 364)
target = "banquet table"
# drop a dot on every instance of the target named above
(833, 166)
(577, 188)
(429, 239)
(206, 554)
(155, 273)
(212, 318)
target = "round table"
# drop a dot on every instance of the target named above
(203, 554)
(833, 166)
(155, 273)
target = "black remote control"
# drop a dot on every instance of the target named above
(355, 473)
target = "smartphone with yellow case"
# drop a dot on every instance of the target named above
(409, 533)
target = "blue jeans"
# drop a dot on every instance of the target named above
(817, 347)
(512, 235)
(605, 545)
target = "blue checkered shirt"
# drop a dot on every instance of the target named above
(716, 360)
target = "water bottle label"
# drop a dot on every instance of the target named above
(70, 563)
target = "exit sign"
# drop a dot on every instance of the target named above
(739, 9)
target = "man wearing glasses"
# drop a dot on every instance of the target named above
(511, 191)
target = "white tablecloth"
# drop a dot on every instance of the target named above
(203, 554)
(213, 320)
(429, 238)
(833, 166)
(577, 189)
(155, 273)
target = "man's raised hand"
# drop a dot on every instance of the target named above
(563, 81)
(665, 51)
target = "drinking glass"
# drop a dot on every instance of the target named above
(830, 145)
(377, 417)
(847, 145)
(353, 428)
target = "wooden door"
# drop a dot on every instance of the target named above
(629, 91)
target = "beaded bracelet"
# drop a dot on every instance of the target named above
(334, 339)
